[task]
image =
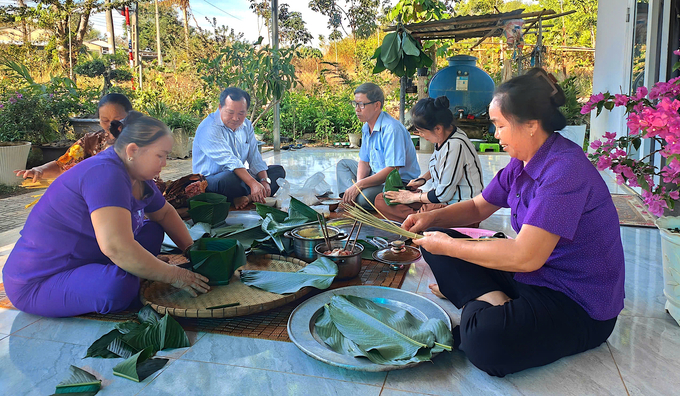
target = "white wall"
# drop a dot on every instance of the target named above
(613, 46)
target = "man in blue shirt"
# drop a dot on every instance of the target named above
(224, 142)
(385, 145)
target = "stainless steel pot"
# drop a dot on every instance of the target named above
(305, 238)
(348, 266)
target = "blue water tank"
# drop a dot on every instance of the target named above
(468, 87)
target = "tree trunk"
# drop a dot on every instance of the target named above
(186, 25)
(109, 27)
(158, 36)
(26, 38)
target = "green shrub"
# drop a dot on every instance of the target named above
(175, 119)
(26, 117)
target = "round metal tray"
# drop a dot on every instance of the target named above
(302, 332)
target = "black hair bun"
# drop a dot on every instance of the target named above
(441, 102)
(116, 128)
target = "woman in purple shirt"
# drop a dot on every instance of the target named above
(86, 245)
(557, 288)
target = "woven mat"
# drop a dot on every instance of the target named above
(270, 325)
(632, 211)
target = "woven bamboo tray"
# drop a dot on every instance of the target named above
(177, 302)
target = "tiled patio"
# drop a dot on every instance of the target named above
(642, 357)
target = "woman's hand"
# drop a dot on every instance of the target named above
(36, 173)
(403, 196)
(435, 242)
(189, 281)
(415, 183)
(418, 222)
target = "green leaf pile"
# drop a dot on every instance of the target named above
(401, 54)
(208, 208)
(393, 183)
(319, 274)
(80, 382)
(138, 342)
(217, 258)
(359, 327)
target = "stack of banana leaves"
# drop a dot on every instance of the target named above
(358, 327)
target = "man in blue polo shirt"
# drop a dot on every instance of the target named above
(224, 142)
(385, 145)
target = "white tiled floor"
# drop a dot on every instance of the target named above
(642, 357)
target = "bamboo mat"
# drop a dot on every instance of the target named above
(632, 211)
(270, 325)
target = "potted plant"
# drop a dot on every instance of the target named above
(576, 121)
(652, 115)
(24, 118)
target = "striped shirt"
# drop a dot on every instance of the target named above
(455, 170)
(218, 148)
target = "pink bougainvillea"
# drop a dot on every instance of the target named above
(651, 115)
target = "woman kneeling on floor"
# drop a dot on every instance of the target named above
(454, 165)
(557, 288)
(85, 244)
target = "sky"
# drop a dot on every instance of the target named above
(236, 15)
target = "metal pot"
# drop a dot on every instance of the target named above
(348, 266)
(305, 238)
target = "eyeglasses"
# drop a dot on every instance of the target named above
(361, 105)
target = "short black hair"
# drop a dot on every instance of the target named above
(372, 91)
(430, 112)
(236, 94)
(532, 96)
(117, 99)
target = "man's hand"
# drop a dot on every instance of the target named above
(435, 242)
(403, 196)
(419, 221)
(415, 183)
(350, 195)
(257, 191)
(267, 188)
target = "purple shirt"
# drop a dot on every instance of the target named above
(561, 192)
(58, 234)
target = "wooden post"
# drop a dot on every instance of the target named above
(275, 47)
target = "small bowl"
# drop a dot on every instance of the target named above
(270, 201)
(332, 204)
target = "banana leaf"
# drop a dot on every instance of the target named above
(121, 348)
(319, 274)
(80, 382)
(298, 210)
(369, 248)
(220, 232)
(275, 229)
(249, 237)
(139, 366)
(100, 347)
(165, 333)
(262, 210)
(147, 315)
(390, 48)
(208, 208)
(359, 327)
(217, 258)
(410, 46)
(393, 183)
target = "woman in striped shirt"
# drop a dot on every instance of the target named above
(454, 165)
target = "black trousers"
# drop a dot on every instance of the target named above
(539, 325)
(231, 186)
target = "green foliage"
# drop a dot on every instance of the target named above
(401, 54)
(393, 183)
(26, 116)
(109, 67)
(217, 259)
(208, 208)
(572, 108)
(359, 15)
(187, 121)
(415, 11)
(324, 114)
(265, 73)
(139, 366)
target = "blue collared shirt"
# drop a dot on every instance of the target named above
(389, 145)
(218, 148)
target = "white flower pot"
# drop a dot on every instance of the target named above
(354, 140)
(575, 133)
(13, 156)
(670, 249)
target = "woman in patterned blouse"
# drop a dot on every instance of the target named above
(113, 106)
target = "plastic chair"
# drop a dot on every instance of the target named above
(495, 147)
